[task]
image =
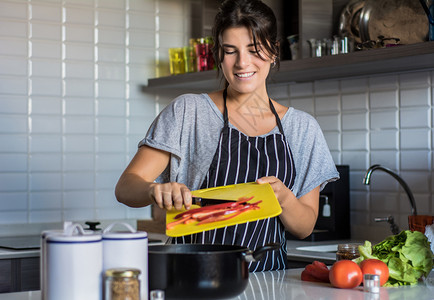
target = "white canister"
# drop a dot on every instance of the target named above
(43, 256)
(127, 249)
(73, 265)
(43, 260)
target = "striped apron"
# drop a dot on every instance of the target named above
(239, 159)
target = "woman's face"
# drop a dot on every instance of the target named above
(243, 67)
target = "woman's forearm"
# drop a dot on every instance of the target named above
(133, 191)
(134, 187)
(299, 215)
(298, 219)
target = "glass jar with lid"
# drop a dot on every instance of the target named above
(122, 284)
(347, 251)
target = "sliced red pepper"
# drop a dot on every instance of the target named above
(213, 207)
(225, 217)
(317, 270)
(204, 214)
(242, 207)
(320, 265)
(305, 276)
(189, 221)
(174, 223)
(214, 213)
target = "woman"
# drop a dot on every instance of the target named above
(233, 136)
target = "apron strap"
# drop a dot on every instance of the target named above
(225, 112)
(273, 110)
(279, 124)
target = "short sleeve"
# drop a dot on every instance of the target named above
(313, 161)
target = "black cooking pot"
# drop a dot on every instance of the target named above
(195, 271)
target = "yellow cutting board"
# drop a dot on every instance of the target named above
(269, 207)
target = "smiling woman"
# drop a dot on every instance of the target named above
(245, 65)
(236, 135)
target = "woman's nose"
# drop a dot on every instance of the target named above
(243, 59)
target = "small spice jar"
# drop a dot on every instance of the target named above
(371, 283)
(347, 251)
(122, 284)
(156, 295)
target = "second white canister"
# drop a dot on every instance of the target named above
(127, 249)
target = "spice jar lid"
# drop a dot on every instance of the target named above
(122, 273)
(354, 247)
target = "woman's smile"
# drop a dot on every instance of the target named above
(245, 75)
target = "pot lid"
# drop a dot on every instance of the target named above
(402, 19)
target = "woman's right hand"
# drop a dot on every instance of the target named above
(171, 194)
(137, 187)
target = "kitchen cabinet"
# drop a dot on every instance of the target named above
(404, 58)
(19, 274)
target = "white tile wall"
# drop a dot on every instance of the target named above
(383, 120)
(71, 110)
(71, 114)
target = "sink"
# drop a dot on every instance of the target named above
(319, 248)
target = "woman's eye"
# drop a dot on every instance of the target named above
(229, 52)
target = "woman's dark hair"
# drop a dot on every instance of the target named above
(256, 17)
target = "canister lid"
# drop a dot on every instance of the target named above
(63, 238)
(129, 234)
(122, 273)
(120, 235)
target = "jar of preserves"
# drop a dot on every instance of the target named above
(122, 284)
(347, 251)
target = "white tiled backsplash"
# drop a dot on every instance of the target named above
(72, 113)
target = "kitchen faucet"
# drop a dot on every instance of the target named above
(401, 181)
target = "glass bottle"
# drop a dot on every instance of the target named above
(347, 251)
(122, 284)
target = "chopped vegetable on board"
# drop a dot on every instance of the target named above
(214, 213)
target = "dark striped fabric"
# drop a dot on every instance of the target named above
(239, 159)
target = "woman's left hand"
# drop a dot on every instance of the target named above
(298, 214)
(280, 190)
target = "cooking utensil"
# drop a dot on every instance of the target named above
(193, 271)
(402, 19)
(429, 11)
(269, 207)
(199, 201)
(349, 21)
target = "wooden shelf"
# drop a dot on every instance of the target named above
(414, 57)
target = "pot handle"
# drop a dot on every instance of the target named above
(259, 252)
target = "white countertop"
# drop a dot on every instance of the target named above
(8, 253)
(298, 250)
(292, 246)
(277, 285)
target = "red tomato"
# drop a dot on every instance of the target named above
(345, 274)
(375, 266)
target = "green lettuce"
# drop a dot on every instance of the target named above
(407, 254)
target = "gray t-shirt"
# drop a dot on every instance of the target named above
(189, 129)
